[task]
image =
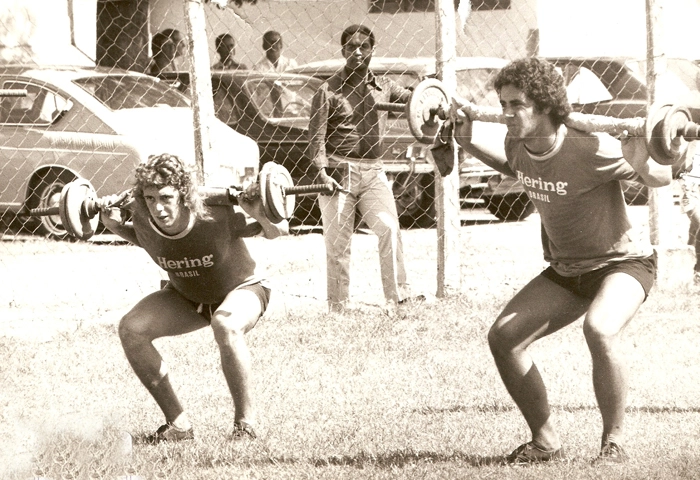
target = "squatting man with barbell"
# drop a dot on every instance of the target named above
(212, 282)
(599, 269)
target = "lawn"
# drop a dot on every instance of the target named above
(357, 395)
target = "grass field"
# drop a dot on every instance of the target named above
(358, 395)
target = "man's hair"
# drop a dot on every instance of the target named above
(352, 30)
(540, 81)
(157, 42)
(270, 37)
(166, 170)
(219, 40)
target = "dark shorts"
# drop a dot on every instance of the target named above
(207, 309)
(588, 284)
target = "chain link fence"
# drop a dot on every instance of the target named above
(76, 122)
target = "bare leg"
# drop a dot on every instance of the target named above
(160, 314)
(229, 331)
(615, 304)
(539, 309)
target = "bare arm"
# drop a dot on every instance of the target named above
(251, 203)
(651, 173)
(488, 144)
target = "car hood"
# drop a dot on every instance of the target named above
(170, 130)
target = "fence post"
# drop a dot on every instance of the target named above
(674, 261)
(200, 82)
(447, 203)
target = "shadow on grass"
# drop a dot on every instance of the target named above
(499, 408)
(401, 458)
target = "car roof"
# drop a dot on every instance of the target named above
(62, 73)
(422, 65)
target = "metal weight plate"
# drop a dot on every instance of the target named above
(677, 117)
(422, 109)
(274, 180)
(74, 217)
(280, 205)
(654, 133)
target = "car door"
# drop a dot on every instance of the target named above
(23, 146)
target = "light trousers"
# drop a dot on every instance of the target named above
(370, 192)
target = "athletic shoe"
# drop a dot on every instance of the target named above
(243, 431)
(529, 453)
(418, 299)
(170, 433)
(611, 454)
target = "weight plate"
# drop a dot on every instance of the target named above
(422, 109)
(274, 180)
(654, 134)
(280, 205)
(71, 209)
(675, 121)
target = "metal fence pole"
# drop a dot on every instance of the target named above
(447, 203)
(200, 82)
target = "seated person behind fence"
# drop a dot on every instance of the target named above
(164, 51)
(180, 62)
(212, 283)
(274, 61)
(225, 46)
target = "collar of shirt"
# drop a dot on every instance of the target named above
(370, 79)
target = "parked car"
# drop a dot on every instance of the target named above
(617, 87)
(98, 124)
(414, 190)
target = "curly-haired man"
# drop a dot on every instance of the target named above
(597, 270)
(212, 282)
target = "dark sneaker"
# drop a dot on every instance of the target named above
(243, 431)
(529, 453)
(611, 454)
(412, 300)
(170, 433)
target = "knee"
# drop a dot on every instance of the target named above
(226, 332)
(130, 333)
(499, 341)
(598, 334)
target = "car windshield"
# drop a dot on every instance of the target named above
(119, 92)
(280, 98)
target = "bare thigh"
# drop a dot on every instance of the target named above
(541, 308)
(240, 311)
(162, 314)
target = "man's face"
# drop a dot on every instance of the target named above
(273, 50)
(179, 40)
(358, 51)
(227, 50)
(164, 206)
(522, 118)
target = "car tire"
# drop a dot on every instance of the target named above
(511, 207)
(414, 197)
(47, 194)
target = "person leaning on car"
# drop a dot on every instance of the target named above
(346, 123)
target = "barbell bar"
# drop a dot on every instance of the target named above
(78, 206)
(667, 129)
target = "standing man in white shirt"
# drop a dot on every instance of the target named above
(274, 61)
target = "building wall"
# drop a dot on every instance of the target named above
(311, 29)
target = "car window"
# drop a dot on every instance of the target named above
(584, 86)
(678, 83)
(119, 92)
(277, 98)
(476, 85)
(39, 107)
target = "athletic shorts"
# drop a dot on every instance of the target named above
(587, 285)
(207, 309)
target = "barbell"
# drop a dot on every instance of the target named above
(78, 206)
(667, 129)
